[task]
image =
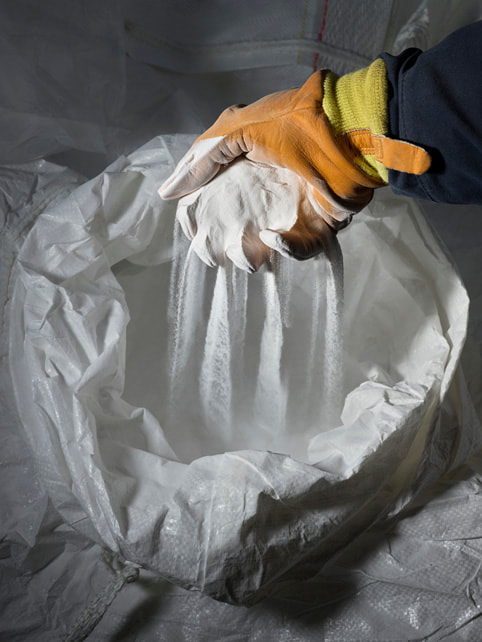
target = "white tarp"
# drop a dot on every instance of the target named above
(69, 89)
(226, 523)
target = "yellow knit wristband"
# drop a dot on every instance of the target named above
(358, 101)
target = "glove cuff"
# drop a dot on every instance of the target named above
(357, 102)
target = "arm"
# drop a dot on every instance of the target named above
(435, 101)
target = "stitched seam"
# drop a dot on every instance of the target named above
(364, 150)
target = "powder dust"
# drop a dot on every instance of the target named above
(256, 361)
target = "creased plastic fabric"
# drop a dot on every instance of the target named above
(228, 524)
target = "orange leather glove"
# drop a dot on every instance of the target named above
(322, 138)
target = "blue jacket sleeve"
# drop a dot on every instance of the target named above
(435, 101)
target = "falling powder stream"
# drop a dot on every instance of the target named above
(186, 295)
(333, 338)
(219, 318)
(270, 399)
(215, 381)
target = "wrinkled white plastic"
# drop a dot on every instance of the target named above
(229, 524)
(415, 577)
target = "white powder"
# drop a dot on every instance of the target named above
(215, 381)
(186, 296)
(255, 360)
(249, 364)
(270, 398)
(333, 337)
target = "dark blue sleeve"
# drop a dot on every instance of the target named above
(435, 101)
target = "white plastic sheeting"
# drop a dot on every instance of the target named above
(227, 524)
(413, 577)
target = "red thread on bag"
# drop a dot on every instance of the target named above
(320, 35)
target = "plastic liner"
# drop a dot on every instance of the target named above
(411, 578)
(237, 524)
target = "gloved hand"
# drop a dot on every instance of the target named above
(331, 132)
(250, 209)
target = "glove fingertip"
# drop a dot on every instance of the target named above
(197, 167)
(173, 188)
(163, 192)
(276, 242)
(187, 227)
(203, 247)
(204, 257)
(236, 256)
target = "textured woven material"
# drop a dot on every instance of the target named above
(219, 35)
(95, 610)
(359, 101)
(418, 578)
(233, 515)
